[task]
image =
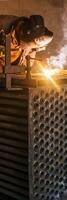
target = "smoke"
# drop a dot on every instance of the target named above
(60, 61)
(64, 21)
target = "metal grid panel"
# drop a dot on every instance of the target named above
(48, 156)
(14, 145)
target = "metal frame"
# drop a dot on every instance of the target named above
(14, 71)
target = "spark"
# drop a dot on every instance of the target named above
(49, 73)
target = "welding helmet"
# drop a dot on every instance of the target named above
(38, 28)
(29, 28)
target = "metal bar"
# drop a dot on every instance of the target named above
(7, 52)
(28, 75)
(7, 62)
